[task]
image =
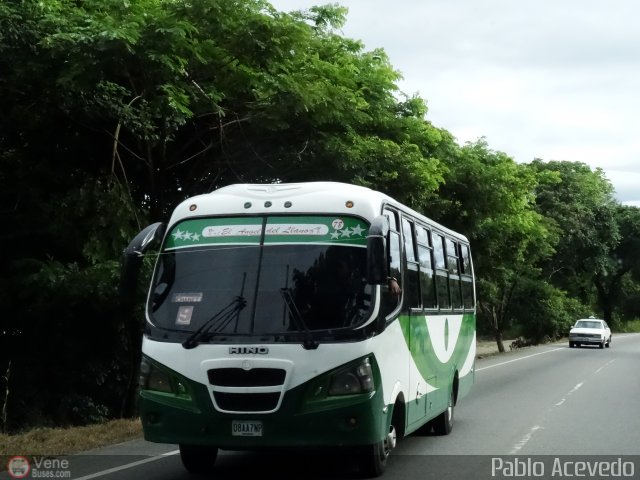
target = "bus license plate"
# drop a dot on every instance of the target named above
(246, 428)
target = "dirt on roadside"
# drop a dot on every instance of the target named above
(485, 348)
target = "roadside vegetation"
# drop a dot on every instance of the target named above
(632, 326)
(64, 441)
(115, 111)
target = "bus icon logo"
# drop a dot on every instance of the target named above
(18, 467)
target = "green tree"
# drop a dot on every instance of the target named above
(621, 263)
(579, 204)
(489, 197)
(544, 312)
(595, 256)
(189, 96)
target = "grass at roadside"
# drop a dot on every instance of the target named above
(59, 441)
(632, 326)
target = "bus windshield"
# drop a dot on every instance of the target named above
(288, 275)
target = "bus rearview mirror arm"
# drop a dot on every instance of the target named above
(132, 258)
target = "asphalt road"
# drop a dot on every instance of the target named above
(549, 401)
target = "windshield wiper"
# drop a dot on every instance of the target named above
(218, 322)
(309, 343)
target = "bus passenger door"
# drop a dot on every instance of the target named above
(420, 397)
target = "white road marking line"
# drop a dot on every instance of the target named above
(518, 446)
(575, 389)
(128, 465)
(628, 335)
(518, 359)
(606, 364)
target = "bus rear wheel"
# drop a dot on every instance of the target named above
(443, 423)
(197, 458)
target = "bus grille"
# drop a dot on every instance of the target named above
(240, 390)
(247, 402)
(238, 377)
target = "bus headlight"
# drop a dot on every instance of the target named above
(153, 378)
(355, 379)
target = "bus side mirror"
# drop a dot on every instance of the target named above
(132, 258)
(377, 273)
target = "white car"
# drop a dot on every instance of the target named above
(590, 331)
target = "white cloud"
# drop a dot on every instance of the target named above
(627, 185)
(546, 79)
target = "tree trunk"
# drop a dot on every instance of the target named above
(497, 332)
(608, 293)
(490, 310)
(5, 403)
(498, 336)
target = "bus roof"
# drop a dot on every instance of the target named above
(294, 198)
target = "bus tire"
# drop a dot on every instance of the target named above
(443, 423)
(373, 458)
(198, 459)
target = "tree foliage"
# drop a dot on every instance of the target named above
(622, 263)
(487, 195)
(579, 204)
(597, 236)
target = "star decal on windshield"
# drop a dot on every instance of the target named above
(185, 236)
(347, 232)
(357, 230)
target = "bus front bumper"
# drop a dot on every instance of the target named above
(349, 421)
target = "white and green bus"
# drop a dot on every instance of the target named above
(302, 315)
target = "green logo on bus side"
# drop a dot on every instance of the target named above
(435, 344)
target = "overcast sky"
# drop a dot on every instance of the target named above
(550, 79)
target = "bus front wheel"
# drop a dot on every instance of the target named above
(373, 458)
(197, 458)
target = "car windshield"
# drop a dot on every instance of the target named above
(588, 324)
(290, 274)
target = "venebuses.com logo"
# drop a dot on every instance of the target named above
(18, 467)
(38, 467)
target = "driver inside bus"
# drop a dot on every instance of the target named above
(394, 286)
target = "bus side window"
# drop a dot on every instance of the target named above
(390, 300)
(442, 280)
(453, 264)
(425, 255)
(412, 278)
(467, 278)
